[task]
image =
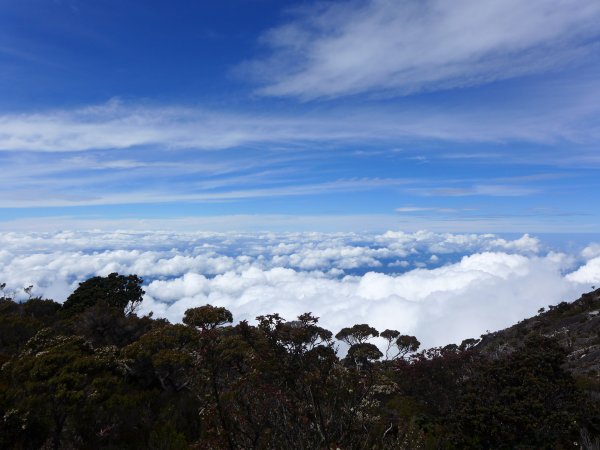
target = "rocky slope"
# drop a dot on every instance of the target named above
(576, 325)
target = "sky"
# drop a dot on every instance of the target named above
(255, 114)
(422, 162)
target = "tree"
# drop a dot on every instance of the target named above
(390, 336)
(20, 321)
(522, 400)
(357, 334)
(296, 337)
(406, 344)
(118, 291)
(163, 356)
(58, 384)
(207, 317)
(363, 354)
(97, 376)
(403, 344)
(468, 344)
(40, 309)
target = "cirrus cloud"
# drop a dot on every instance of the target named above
(334, 49)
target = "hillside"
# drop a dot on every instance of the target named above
(91, 373)
(575, 325)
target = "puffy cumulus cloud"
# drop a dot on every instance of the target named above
(463, 285)
(306, 251)
(59, 272)
(444, 243)
(421, 283)
(484, 291)
(591, 251)
(589, 273)
(55, 262)
(525, 243)
(321, 256)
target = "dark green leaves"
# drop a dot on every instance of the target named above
(207, 317)
(116, 291)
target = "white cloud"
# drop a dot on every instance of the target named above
(116, 125)
(444, 243)
(300, 223)
(482, 291)
(419, 209)
(591, 251)
(344, 48)
(568, 114)
(485, 282)
(492, 190)
(144, 196)
(399, 263)
(588, 273)
(525, 243)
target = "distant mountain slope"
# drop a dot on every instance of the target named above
(576, 325)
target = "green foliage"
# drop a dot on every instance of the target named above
(390, 335)
(20, 321)
(357, 334)
(363, 354)
(407, 344)
(163, 357)
(56, 385)
(43, 310)
(207, 317)
(105, 325)
(468, 344)
(530, 401)
(92, 374)
(117, 291)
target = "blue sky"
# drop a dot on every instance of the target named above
(257, 114)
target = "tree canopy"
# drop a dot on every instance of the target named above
(207, 317)
(91, 373)
(118, 291)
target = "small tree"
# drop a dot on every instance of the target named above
(406, 344)
(4, 295)
(207, 317)
(28, 290)
(363, 354)
(117, 291)
(468, 344)
(402, 343)
(296, 337)
(357, 334)
(390, 336)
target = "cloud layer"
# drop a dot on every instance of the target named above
(342, 48)
(440, 287)
(559, 113)
(485, 291)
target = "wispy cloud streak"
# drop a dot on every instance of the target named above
(571, 117)
(400, 47)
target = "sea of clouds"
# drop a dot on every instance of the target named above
(440, 287)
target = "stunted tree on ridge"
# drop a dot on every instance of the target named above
(117, 291)
(207, 317)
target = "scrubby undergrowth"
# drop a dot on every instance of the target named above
(90, 373)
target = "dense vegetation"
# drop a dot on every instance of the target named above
(90, 373)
